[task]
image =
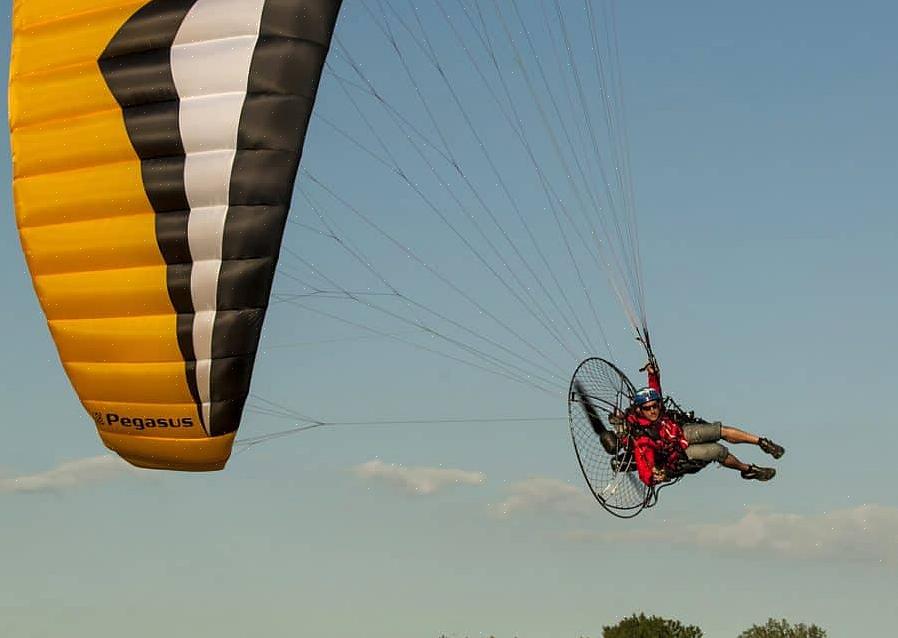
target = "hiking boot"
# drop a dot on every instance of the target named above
(771, 448)
(758, 473)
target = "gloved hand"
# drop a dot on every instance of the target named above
(649, 367)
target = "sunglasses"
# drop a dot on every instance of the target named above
(649, 406)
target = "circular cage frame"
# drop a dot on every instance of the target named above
(597, 390)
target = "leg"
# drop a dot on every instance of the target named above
(735, 435)
(703, 447)
(717, 452)
(733, 463)
(748, 472)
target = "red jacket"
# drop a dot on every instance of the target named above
(659, 444)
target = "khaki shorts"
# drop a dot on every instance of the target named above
(703, 445)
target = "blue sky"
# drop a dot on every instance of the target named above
(762, 143)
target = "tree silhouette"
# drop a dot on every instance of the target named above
(783, 629)
(643, 626)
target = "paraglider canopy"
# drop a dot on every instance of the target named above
(155, 145)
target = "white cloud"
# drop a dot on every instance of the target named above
(544, 495)
(68, 475)
(865, 533)
(417, 480)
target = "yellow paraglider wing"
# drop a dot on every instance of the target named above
(155, 144)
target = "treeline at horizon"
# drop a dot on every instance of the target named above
(642, 626)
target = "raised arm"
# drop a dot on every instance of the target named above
(654, 376)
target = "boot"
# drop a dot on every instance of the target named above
(753, 472)
(773, 449)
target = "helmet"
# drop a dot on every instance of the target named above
(645, 395)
